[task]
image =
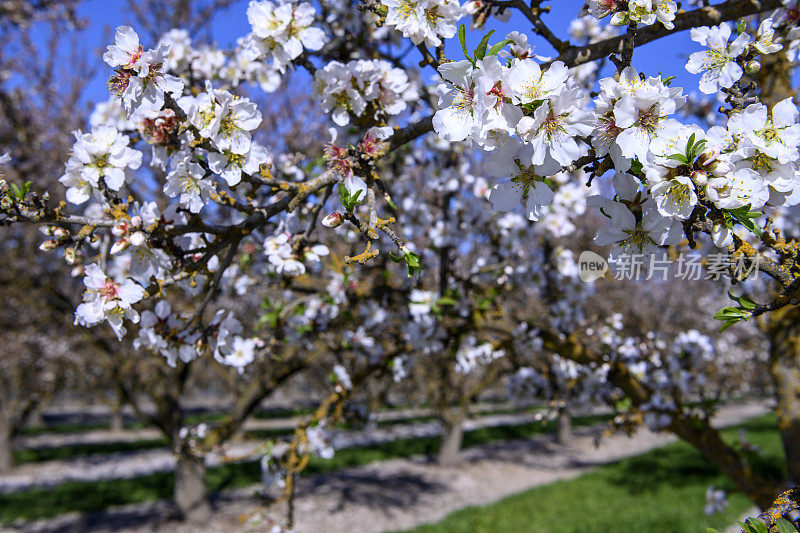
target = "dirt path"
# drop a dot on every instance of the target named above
(401, 493)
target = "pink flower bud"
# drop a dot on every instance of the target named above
(47, 230)
(333, 220)
(136, 221)
(120, 228)
(69, 255)
(60, 234)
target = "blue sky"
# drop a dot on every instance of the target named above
(667, 55)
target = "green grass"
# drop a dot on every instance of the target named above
(92, 496)
(70, 451)
(662, 490)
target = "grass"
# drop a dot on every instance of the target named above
(70, 451)
(93, 496)
(662, 490)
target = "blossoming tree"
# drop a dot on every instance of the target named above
(169, 223)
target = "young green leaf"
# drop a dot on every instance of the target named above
(480, 51)
(784, 526)
(462, 38)
(495, 49)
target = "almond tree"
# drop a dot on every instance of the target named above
(532, 120)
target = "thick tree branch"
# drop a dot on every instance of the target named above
(707, 16)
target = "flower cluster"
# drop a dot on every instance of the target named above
(369, 90)
(424, 21)
(280, 33)
(103, 154)
(109, 300)
(140, 80)
(645, 12)
(529, 119)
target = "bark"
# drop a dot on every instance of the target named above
(6, 447)
(451, 439)
(564, 425)
(707, 440)
(190, 493)
(784, 332)
(117, 422)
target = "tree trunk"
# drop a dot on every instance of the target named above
(117, 422)
(784, 330)
(35, 419)
(450, 441)
(564, 425)
(190, 488)
(6, 447)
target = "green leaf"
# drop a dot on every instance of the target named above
(349, 201)
(754, 525)
(480, 51)
(637, 167)
(759, 526)
(413, 263)
(784, 526)
(746, 218)
(741, 27)
(462, 38)
(623, 405)
(446, 300)
(495, 49)
(680, 158)
(711, 530)
(747, 302)
(690, 144)
(728, 324)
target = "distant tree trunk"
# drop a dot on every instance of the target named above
(452, 437)
(564, 425)
(117, 421)
(6, 446)
(784, 330)
(190, 494)
(35, 419)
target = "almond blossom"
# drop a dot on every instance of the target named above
(109, 300)
(717, 64)
(103, 154)
(140, 81)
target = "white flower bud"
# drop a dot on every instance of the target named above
(752, 66)
(136, 221)
(699, 177)
(60, 234)
(709, 156)
(120, 246)
(333, 220)
(137, 238)
(69, 255)
(49, 245)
